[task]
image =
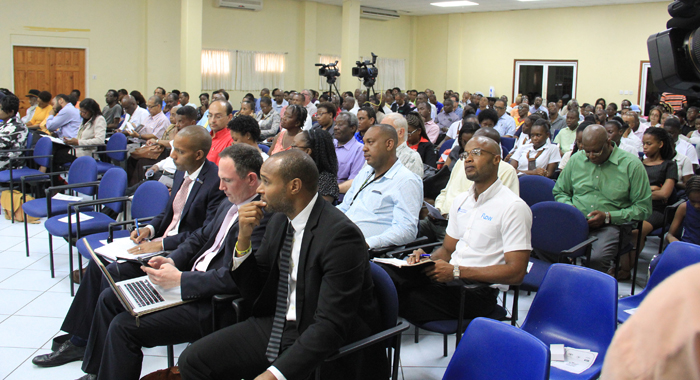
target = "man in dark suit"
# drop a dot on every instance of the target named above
(311, 286)
(199, 266)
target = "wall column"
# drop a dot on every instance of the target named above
(191, 47)
(310, 52)
(350, 40)
(454, 57)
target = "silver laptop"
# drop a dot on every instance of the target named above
(139, 295)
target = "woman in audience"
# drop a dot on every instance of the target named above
(247, 108)
(417, 139)
(686, 223)
(204, 101)
(524, 129)
(92, 132)
(539, 157)
(292, 122)
(318, 144)
(245, 130)
(662, 171)
(268, 119)
(140, 100)
(13, 132)
(600, 103)
(655, 117)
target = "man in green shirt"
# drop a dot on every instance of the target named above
(566, 136)
(609, 186)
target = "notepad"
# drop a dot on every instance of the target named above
(432, 211)
(577, 360)
(64, 197)
(74, 218)
(402, 263)
(118, 250)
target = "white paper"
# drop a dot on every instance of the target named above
(577, 360)
(57, 140)
(117, 249)
(631, 311)
(398, 262)
(529, 266)
(432, 211)
(74, 218)
(558, 352)
(64, 197)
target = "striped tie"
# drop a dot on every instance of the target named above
(273, 346)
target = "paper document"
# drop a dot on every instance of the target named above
(631, 311)
(577, 360)
(432, 211)
(57, 140)
(117, 249)
(401, 263)
(74, 218)
(64, 197)
(529, 266)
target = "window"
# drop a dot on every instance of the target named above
(242, 70)
(549, 79)
(326, 59)
(649, 94)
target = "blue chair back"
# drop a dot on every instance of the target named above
(112, 185)
(387, 297)
(574, 306)
(445, 146)
(535, 189)
(264, 148)
(508, 143)
(117, 142)
(494, 350)
(29, 142)
(149, 200)
(83, 169)
(44, 147)
(557, 227)
(676, 256)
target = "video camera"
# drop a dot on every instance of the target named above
(674, 54)
(367, 71)
(330, 71)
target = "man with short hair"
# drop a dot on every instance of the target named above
(156, 123)
(632, 119)
(447, 116)
(422, 97)
(506, 123)
(408, 157)
(609, 186)
(279, 101)
(538, 107)
(185, 100)
(136, 115)
(386, 198)
(299, 99)
(220, 113)
(555, 120)
(466, 99)
(401, 106)
(348, 150)
(64, 119)
(310, 107)
(432, 129)
(264, 93)
(673, 126)
(33, 96)
(366, 118)
(112, 112)
(349, 105)
(161, 93)
(566, 136)
(171, 101)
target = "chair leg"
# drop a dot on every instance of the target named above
(416, 334)
(51, 256)
(12, 201)
(70, 268)
(397, 357)
(80, 268)
(171, 356)
(26, 234)
(444, 345)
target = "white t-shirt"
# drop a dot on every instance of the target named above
(454, 129)
(687, 149)
(550, 155)
(685, 167)
(632, 140)
(498, 222)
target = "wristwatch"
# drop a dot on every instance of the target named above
(455, 272)
(607, 217)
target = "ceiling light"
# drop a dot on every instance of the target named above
(454, 3)
(528, 0)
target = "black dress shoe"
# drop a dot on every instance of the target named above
(58, 341)
(68, 352)
(88, 376)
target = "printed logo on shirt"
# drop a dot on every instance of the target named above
(486, 217)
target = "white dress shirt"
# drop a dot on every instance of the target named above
(550, 155)
(687, 149)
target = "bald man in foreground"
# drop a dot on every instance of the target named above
(610, 187)
(487, 240)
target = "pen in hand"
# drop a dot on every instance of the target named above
(138, 230)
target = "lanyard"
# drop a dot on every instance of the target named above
(365, 184)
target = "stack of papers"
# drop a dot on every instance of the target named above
(400, 263)
(576, 360)
(118, 249)
(74, 218)
(57, 140)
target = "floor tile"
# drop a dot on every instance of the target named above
(11, 241)
(18, 259)
(427, 352)
(27, 370)
(6, 273)
(28, 332)
(62, 286)
(4, 317)
(30, 280)
(17, 230)
(13, 300)
(422, 373)
(48, 305)
(60, 263)
(12, 358)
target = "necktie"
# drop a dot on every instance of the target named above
(203, 262)
(178, 205)
(273, 346)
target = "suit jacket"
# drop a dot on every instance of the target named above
(199, 209)
(217, 278)
(335, 294)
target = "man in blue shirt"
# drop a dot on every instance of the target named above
(385, 197)
(506, 123)
(64, 119)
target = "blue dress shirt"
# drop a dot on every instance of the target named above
(66, 123)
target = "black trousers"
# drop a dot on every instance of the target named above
(61, 155)
(235, 352)
(422, 300)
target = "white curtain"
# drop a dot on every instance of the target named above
(326, 59)
(217, 69)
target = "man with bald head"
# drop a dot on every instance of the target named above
(487, 240)
(610, 187)
(349, 105)
(134, 116)
(156, 122)
(408, 157)
(385, 197)
(220, 113)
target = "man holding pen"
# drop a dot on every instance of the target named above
(487, 240)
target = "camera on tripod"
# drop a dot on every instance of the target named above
(367, 71)
(330, 71)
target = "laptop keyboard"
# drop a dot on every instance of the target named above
(144, 293)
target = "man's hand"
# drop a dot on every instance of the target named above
(267, 375)
(146, 247)
(167, 276)
(157, 261)
(596, 219)
(153, 169)
(140, 235)
(415, 256)
(541, 171)
(442, 271)
(151, 142)
(249, 217)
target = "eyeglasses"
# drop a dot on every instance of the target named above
(474, 152)
(595, 154)
(153, 106)
(414, 131)
(299, 147)
(319, 114)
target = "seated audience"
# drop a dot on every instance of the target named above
(525, 129)
(279, 101)
(465, 134)
(154, 125)
(348, 150)
(566, 136)
(417, 139)
(350, 105)
(632, 119)
(431, 128)
(555, 119)
(185, 100)
(13, 133)
(268, 119)
(172, 100)
(247, 108)
(578, 145)
(609, 186)
(385, 199)
(673, 126)
(112, 111)
(41, 113)
(538, 107)
(134, 115)
(325, 117)
(366, 117)
(91, 132)
(220, 114)
(64, 119)
(319, 145)
(447, 116)
(615, 131)
(33, 97)
(408, 157)
(506, 124)
(539, 156)
(686, 223)
(293, 120)
(203, 110)
(601, 117)
(519, 114)
(141, 100)
(400, 105)
(245, 130)
(487, 240)
(488, 118)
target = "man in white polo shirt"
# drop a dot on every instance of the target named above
(488, 240)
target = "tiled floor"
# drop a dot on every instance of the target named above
(32, 307)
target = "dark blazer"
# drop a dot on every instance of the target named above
(427, 153)
(199, 209)
(335, 295)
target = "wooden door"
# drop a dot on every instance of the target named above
(57, 70)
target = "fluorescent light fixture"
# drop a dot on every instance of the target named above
(454, 4)
(528, 0)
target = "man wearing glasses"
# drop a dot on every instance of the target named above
(487, 240)
(609, 187)
(506, 123)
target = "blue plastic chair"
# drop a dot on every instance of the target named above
(577, 307)
(508, 143)
(445, 146)
(677, 256)
(488, 345)
(115, 149)
(150, 199)
(110, 194)
(557, 228)
(264, 148)
(535, 189)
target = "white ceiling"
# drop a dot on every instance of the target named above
(423, 7)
